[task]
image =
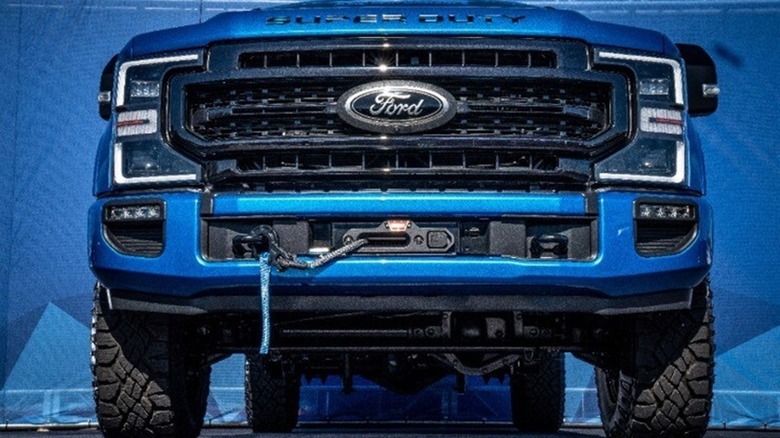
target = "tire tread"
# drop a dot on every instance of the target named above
(538, 394)
(134, 368)
(272, 395)
(668, 390)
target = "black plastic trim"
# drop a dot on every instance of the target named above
(699, 70)
(501, 235)
(106, 86)
(109, 225)
(589, 304)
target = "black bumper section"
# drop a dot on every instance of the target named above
(597, 305)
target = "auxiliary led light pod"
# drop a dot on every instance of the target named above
(144, 212)
(658, 211)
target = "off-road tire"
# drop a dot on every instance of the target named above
(665, 388)
(538, 394)
(272, 392)
(144, 385)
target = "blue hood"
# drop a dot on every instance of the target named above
(378, 18)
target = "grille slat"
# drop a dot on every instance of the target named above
(400, 58)
(142, 240)
(396, 161)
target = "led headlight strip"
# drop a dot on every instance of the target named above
(675, 65)
(122, 75)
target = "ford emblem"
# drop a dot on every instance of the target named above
(396, 107)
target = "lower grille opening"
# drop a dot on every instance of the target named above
(140, 239)
(656, 238)
(401, 169)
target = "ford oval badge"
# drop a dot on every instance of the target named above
(396, 107)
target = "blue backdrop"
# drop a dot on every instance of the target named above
(53, 52)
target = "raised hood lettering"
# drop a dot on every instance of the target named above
(394, 18)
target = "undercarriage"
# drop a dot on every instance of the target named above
(396, 349)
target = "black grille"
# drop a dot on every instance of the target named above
(529, 113)
(401, 169)
(142, 239)
(246, 110)
(397, 161)
(400, 58)
(655, 239)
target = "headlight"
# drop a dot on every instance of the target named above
(657, 154)
(652, 160)
(143, 162)
(141, 156)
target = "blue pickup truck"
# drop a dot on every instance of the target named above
(403, 191)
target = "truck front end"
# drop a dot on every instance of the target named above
(522, 182)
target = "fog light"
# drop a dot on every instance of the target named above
(115, 213)
(685, 212)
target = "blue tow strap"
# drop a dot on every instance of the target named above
(282, 260)
(265, 302)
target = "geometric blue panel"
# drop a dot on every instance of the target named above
(752, 371)
(48, 383)
(226, 404)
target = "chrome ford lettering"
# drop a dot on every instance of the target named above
(396, 107)
(386, 104)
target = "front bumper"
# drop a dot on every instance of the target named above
(616, 280)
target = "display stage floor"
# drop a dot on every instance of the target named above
(390, 431)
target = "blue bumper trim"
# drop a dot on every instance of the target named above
(400, 204)
(616, 271)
